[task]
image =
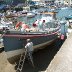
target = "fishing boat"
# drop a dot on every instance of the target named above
(15, 40)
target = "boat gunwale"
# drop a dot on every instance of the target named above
(28, 35)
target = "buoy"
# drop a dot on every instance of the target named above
(62, 37)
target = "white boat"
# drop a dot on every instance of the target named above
(30, 14)
(63, 8)
(5, 24)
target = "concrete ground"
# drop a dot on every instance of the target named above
(62, 61)
(5, 66)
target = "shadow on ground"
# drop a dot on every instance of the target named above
(1, 49)
(42, 58)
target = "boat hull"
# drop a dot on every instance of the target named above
(14, 45)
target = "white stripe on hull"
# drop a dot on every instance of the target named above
(19, 51)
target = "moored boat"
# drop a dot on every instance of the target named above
(15, 40)
(5, 24)
(30, 14)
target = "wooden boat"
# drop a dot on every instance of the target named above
(16, 15)
(10, 16)
(15, 40)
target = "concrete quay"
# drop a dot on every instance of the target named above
(5, 66)
(62, 61)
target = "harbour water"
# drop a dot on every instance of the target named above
(64, 13)
(29, 21)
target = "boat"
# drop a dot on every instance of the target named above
(68, 17)
(16, 14)
(11, 16)
(63, 8)
(15, 40)
(5, 24)
(30, 14)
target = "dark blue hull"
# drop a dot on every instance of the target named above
(14, 43)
